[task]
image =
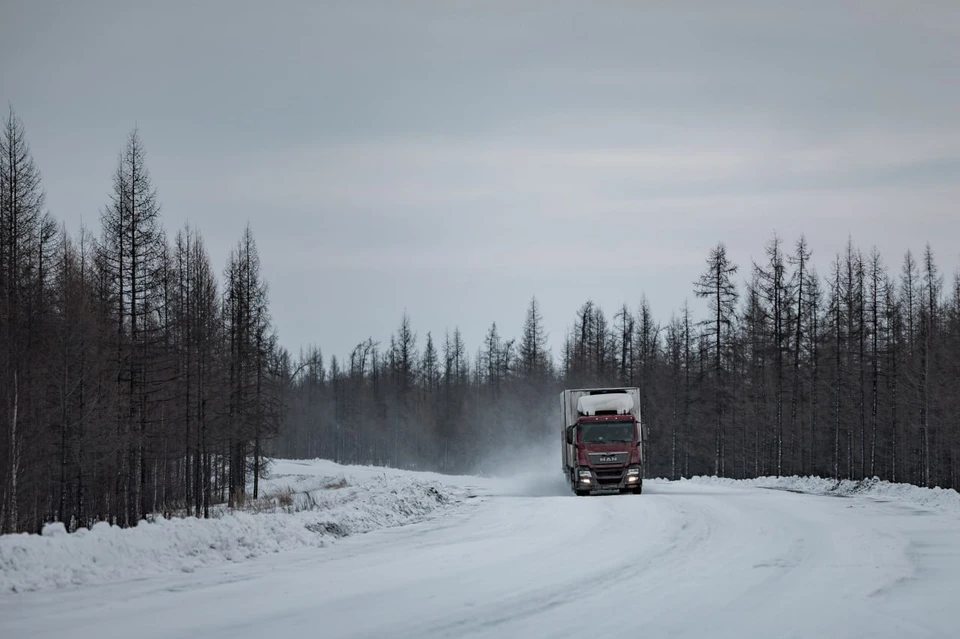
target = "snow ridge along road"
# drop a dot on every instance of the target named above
(524, 558)
(307, 504)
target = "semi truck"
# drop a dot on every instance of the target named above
(603, 439)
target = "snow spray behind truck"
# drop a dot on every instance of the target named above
(602, 439)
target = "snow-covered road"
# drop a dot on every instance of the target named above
(525, 559)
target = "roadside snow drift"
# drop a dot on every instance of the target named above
(936, 498)
(306, 504)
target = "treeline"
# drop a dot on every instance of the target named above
(131, 380)
(849, 375)
(429, 408)
(134, 380)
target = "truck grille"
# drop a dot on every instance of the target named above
(607, 477)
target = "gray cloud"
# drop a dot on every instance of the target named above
(453, 159)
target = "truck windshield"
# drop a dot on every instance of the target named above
(600, 432)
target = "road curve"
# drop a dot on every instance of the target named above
(525, 559)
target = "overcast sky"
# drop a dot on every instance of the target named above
(453, 159)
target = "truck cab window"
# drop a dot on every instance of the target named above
(601, 432)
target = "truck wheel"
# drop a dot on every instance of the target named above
(582, 493)
(639, 488)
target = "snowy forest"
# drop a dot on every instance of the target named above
(850, 374)
(136, 377)
(133, 379)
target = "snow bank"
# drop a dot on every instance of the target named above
(938, 498)
(308, 508)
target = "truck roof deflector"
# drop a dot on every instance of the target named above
(622, 403)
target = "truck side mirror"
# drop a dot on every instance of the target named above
(569, 435)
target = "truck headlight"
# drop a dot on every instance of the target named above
(584, 473)
(633, 471)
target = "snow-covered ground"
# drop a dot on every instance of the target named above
(509, 557)
(306, 504)
(937, 498)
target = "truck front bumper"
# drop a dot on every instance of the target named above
(604, 479)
